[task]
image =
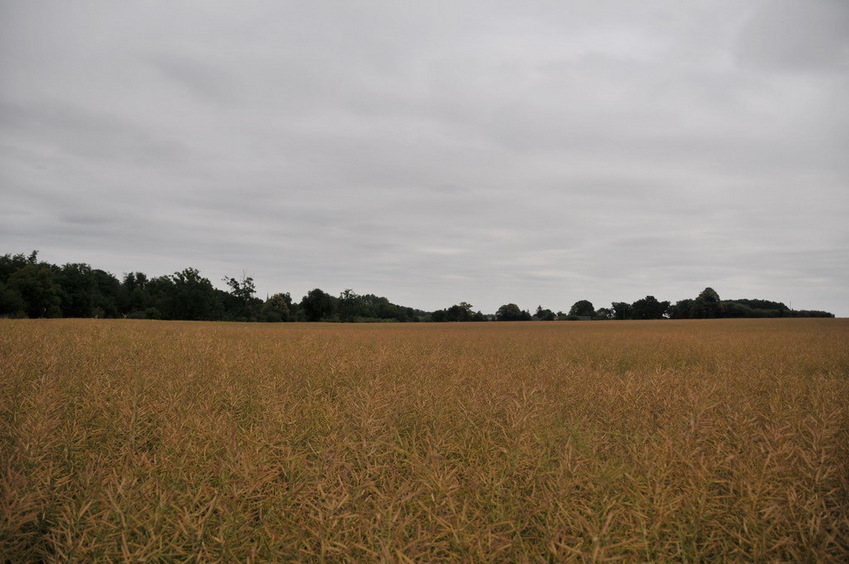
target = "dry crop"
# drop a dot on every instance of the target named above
(536, 442)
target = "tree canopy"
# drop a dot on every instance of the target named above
(512, 312)
(33, 288)
(582, 308)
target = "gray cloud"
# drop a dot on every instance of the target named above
(435, 152)
(797, 36)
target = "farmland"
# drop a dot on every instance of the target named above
(638, 441)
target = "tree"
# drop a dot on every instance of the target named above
(9, 264)
(193, 297)
(135, 296)
(79, 287)
(350, 306)
(134, 281)
(277, 308)
(459, 312)
(605, 313)
(582, 308)
(108, 294)
(810, 313)
(511, 312)
(242, 293)
(317, 305)
(761, 304)
(683, 309)
(621, 310)
(37, 287)
(649, 308)
(243, 289)
(733, 309)
(161, 292)
(544, 314)
(11, 302)
(757, 308)
(707, 304)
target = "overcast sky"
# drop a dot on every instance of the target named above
(432, 152)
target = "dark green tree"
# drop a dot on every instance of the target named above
(511, 312)
(37, 287)
(810, 313)
(683, 309)
(161, 291)
(582, 308)
(649, 308)
(11, 303)
(135, 297)
(707, 305)
(762, 304)
(544, 314)
(458, 312)
(243, 289)
(605, 313)
(193, 297)
(241, 303)
(277, 308)
(317, 305)
(351, 306)
(9, 264)
(621, 310)
(108, 294)
(79, 290)
(733, 309)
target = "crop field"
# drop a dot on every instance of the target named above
(690, 441)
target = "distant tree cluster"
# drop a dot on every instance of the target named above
(646, 308)
(511, 312)
(707, 305)
(351, 307)
(460, 312)
(33, 288)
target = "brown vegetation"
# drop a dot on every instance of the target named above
(636, 441)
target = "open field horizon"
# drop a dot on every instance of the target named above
(630, 440)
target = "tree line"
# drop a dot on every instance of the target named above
(33, 288)
(707, 305)
(37, 289)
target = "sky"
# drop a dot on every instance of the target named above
(537, 152)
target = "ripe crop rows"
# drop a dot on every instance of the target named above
(530, 442)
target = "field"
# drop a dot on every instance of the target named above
(690, 441)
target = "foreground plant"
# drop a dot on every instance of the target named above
(648, 441)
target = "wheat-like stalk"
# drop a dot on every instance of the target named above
(611, 441)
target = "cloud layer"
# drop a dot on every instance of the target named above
(433, 152)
